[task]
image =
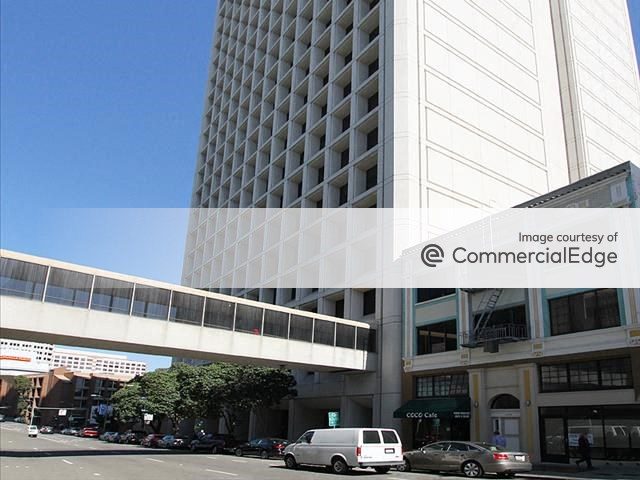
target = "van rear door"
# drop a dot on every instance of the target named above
(379, 446)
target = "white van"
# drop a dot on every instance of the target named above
(346, 448)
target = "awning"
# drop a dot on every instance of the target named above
(62, 377)
(435, 408)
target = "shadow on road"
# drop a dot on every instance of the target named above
(328, 471)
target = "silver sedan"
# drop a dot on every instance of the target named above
(470, 458)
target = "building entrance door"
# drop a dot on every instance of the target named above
(553, 439)
(507, 422)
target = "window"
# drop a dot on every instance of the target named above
(389, 436)
(372, 102)
(186, 308)
(592, 375)
(426, 294)
(339, 308)
(366, 339)
(325, 80)
(68, 287)
(276, 324)
(219, 314)
(346, 90)
(345, 336)
(320, 174)
(370, 436)
(372, 138)
(348, 57)
(248, 319)
(346, 123)
(585, 311)
(374, 34)
(323, 110)
(22, 279)
(369, 302)
(344, 158)
(343, 194)
(443, 386)
(110, 295)
(323, 142)
(348, 29)
(373, 67)
(371, 177)
(151, 302)
(323, 332)
(437, 337)
(301, 328)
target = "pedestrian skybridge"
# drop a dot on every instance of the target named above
(45, 300)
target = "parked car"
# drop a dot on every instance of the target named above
(88, 432)
(32, 430)
(46, 429)
(264, 447)
(69, 431)
(346, 448)
(131, 438)
(473, 459)
(18, 420)
(173, 442)
(211, 442)
(1, 418)
(115, 438)
(151, 440)
(106, 435)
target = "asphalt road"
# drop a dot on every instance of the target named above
(52, 457)
(65, 457)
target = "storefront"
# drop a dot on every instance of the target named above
(612, 430)
(435, 419)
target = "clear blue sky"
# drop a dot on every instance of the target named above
(100, 107)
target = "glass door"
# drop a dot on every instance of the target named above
(553, 439)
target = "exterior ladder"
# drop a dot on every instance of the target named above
(486, 308)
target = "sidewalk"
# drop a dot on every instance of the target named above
(603, 471)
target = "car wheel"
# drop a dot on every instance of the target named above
(214, 450)
(290, 462)
(339, 466)
(405, 467)
(264, 455)
(472, 469)
(382, 469)
(238, 452)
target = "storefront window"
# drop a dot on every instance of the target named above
(612, 430)
(442, 386)
(594, 375)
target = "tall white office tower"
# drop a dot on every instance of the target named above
(406, 103)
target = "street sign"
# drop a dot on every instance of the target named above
(148, 417)
(62, 412)
(334, 419)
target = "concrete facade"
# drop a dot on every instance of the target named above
(375, 103)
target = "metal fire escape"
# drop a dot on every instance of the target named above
(485, 334)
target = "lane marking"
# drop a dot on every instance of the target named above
(221, 472)
(155, 460)
(239, 461)
(213, 458)
(96, 474)
(67, 461)
(93, 448)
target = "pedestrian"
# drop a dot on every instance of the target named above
(498, 439)
(584, 449)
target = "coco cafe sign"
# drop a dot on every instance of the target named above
(434, 408)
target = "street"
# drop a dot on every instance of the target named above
(59, 456)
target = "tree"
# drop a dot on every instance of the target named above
(128, 403)
(23, 386)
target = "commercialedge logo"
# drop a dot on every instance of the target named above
(433, 254)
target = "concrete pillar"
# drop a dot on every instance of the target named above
(479, 428)
(529, 425)
(353, 414)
